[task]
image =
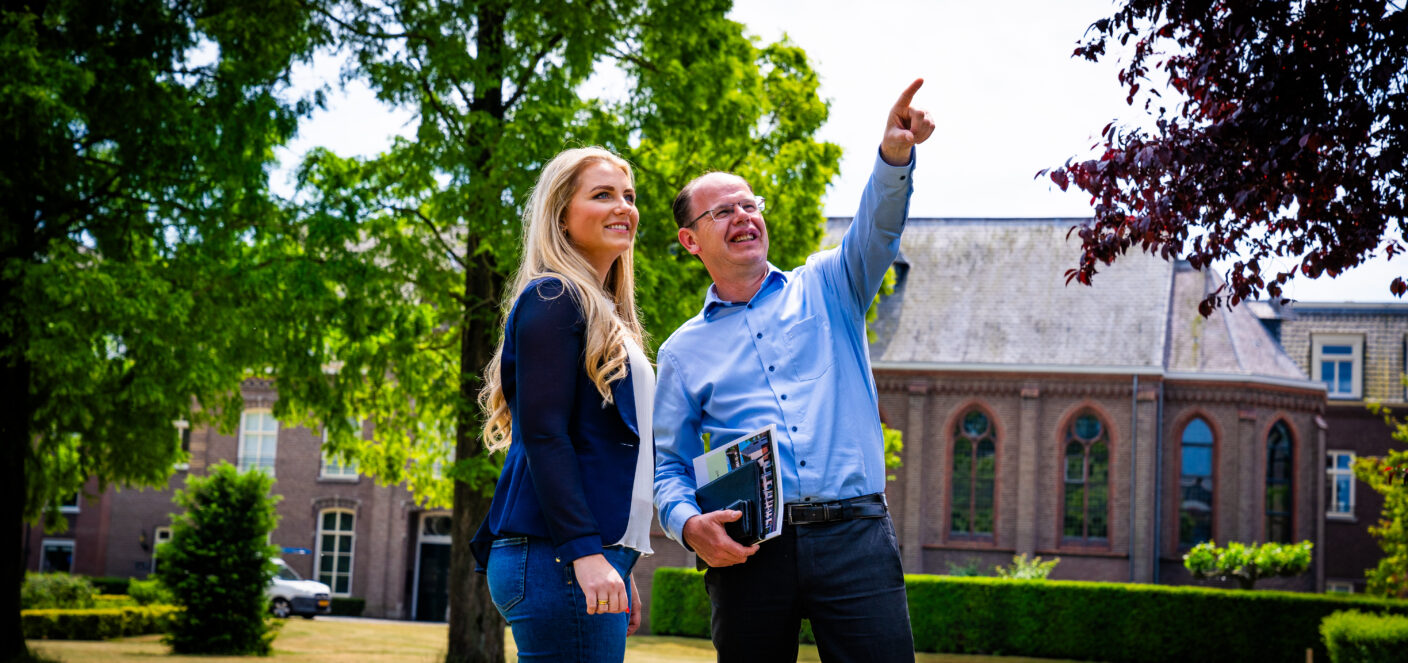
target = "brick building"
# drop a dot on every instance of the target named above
(335, 525)
(1357, 351)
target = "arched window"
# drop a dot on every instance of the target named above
(1195, 485)
(971, 510)
(1279, 498)
(1087, 470)
(336, 534)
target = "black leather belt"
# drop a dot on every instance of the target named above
(810, 513)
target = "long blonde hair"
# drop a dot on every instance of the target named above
(610, 312)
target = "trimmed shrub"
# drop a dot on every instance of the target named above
(1110, 622)
(150, 592)
(1354, 637)
(109, 584)
(55, 591)
(348, 606)
(219, 562)
(113, 601)
(679, 605)
(1248, 564)
(96, 623)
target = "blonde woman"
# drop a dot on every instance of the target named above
(568, 394)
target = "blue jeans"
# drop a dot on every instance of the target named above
(545, 607)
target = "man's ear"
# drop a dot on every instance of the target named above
(688, 240)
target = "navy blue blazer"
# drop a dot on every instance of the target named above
(568, 473)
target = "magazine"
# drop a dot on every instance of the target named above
(759, 445)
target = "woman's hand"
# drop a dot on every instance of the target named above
(635, 608)
(601, 584)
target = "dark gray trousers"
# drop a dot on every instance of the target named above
(843, 576)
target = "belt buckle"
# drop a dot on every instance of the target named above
(826, 512)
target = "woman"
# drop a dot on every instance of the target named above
(568, 394)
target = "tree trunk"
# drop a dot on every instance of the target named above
(476, 628)
(14, 438)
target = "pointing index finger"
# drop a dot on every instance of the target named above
(908, 94)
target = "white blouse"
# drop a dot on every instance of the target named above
(637, 534)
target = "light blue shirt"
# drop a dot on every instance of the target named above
(795, 355)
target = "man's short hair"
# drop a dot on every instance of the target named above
(685, 198)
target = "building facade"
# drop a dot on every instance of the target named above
(1357, 351)
(336, 525)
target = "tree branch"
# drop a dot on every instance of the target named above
(415, 213)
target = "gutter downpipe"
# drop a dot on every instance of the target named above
(1158, 481)
(1133, 468)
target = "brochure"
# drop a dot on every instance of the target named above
(759, 445)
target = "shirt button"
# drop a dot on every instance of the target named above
(771, 368)
(804, 463)
(760, 334)
(794, 429)
(750, 306)
(784, 397)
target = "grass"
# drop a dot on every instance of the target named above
(373, 641)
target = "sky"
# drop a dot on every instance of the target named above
(1007, 98)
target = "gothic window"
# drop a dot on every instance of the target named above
(1087, 480)
(1195, 488)
(1279, 497)
(971, 511)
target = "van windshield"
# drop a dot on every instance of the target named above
(286, 573)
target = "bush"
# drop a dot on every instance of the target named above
(1354, 637)
(348, 607)
(1024, 569)
(109, 584)
(1075, 620)
(1248, 564)
(96, 623)
(113, 601)
(55, 591)
(219, 562)
(150, 592)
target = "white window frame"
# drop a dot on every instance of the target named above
(160, 535)
(74, 506)
(245, 459)
(183, 440)
(1333, 471)
(351, 556)
(1338, 587)
(57, 543)
(332, 467)
(1356, 358)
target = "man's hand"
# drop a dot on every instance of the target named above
(705, 534)
(905, 127)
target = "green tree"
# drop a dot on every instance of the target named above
(138, 135)
(1388, 475)
(219, 562)
(390, 282)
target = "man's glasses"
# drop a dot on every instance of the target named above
(727, 212)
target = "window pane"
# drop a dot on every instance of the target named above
(1327, 374)
(1346, 376)
(985, 477)
(1099, 463)
(1096, 508)
(1344, 461)
(1075, 463)
(1337, 350)
(1087, 427)
(961, 505)
(329, 520)
(975, 424)
(344, 544)
(1074, 520)
(1342, 493)
(325, 564)
(343, 583)
(1197, 461)
(344, 563)
(1197, 432)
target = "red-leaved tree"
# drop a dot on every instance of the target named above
(1287, 138)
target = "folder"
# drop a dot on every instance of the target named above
(739, 490)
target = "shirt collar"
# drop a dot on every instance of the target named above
(775, 279)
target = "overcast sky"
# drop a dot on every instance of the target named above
(1008, 99)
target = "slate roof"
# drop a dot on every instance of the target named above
(976, 293)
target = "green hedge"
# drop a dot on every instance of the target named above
(114, 601)
(55, 591)
(1354, 637)
(109, 584)
(96, 623)
(348, 606)
(1110, 622)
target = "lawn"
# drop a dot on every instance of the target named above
(334, 640)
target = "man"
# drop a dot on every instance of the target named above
(789, 348)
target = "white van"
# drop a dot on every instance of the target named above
(289, 594)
